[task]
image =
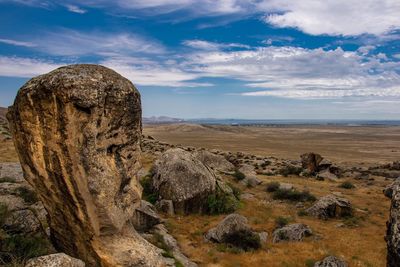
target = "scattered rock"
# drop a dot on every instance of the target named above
(251, 181)
(263, 237)
(291, 232)
(330, 206)
(145, 217)
(181, 177)
(55, 260)
(229, 225)
(77, 131)
(286, 186)
(331, 261)
(326, 174)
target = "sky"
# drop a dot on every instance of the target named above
(249, 59)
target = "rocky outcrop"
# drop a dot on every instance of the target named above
(393, 227)
(145, 217)
(179, 176)
(390, 189)
(291, 232)
(77, 131)
(55, 260)
(330, 206)
(331, 261)
(310, 162)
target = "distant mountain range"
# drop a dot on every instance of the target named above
(161, 119)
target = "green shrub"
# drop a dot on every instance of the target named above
(7, 179)
(239, 175)
(302, 213)
(221, 203)
(20, 248)
(149, 194)
(28, 195)
(293, 195)
(244, 239)
(273, 186)
(347, 185)
(290, 170)
(310, 263)
(281, 221)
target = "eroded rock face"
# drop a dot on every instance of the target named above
(77, 131)
(181, 177)
(311, 161)
(393, 227)
(55, 260)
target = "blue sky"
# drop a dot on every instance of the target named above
(254, 59)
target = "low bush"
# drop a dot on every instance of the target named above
(28, 195)
(290, 170)
(273, 186)
(148, 194)
(281, 221)
(293, 195)
(244, 239)
(302, 213)
(310, 263)
(3, 214)
(239, 175)
(347, 185)
(221, 203)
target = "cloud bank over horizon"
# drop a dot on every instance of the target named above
(332, 54)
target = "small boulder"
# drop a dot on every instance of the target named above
(251, 181)
(331, 261)
(55, 260)
(330, 206)
(326, 174)
(181, 177)
(145, 217)
(234, 230)
(291, 232)
(388, 191)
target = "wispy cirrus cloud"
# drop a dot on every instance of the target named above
(75, 9)
(210, 46)
(25, 67)
(17, 43)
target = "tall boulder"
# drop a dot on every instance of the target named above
(180, 176)
(77, 131)
(310, 162)
(393, 227)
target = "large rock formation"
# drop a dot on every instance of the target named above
(310, 162)
(331, 206)
(77, 131)
(393, 227)
(181, 177)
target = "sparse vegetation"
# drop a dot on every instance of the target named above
(239, 175)
(28, 195)
(281, 221)
(290, 170)
(310, 263)
(236, 191)
(302, 213)
(148, 193)
(244, 239)
(273, 186)
(293, 195)
(347, 185)
(221, 203)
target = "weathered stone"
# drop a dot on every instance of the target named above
(145, 217)
(251, 181)
(229, 225)
(331, 261)
(326, 174)
(214, 161)
(388, 191)
(291, 232)
(55, 260)
(179, 176)
(77, 131)
(393, 228)
(330, 206)
(311, 161)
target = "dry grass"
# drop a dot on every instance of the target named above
(361, 245)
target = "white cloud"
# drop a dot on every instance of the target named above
(74, 43)
(334, 17)
(206, 45)
(17, 43)
(25, 67)
(75, 9)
